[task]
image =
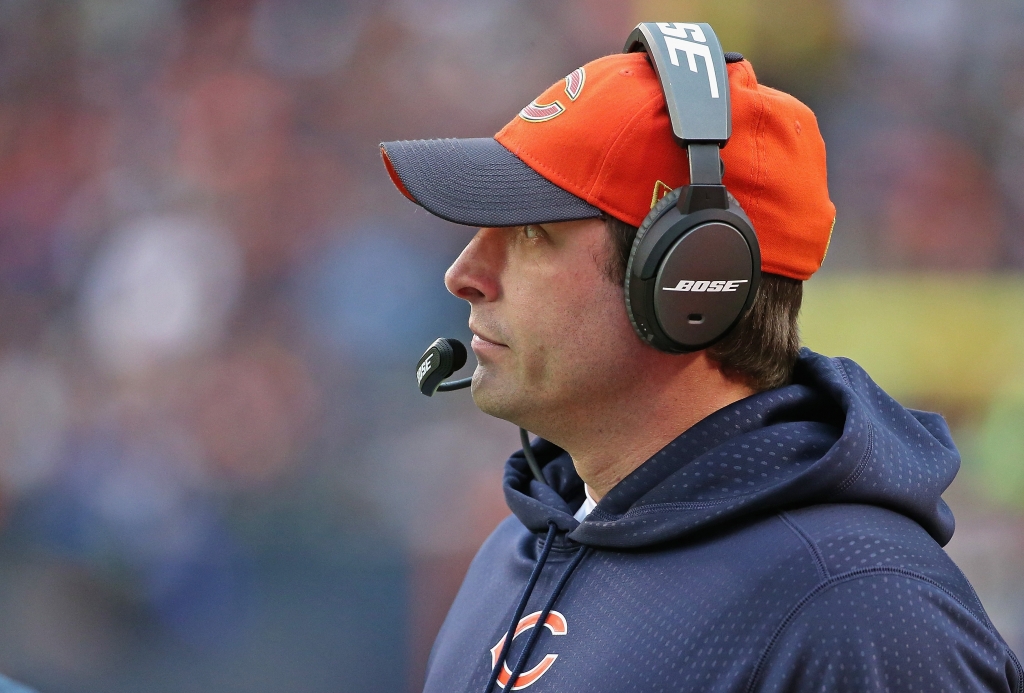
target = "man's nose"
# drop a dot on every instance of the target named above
(475, 274)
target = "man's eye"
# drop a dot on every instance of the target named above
(532, 231)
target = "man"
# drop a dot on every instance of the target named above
(746, 517)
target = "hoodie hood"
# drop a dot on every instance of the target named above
(832, 436)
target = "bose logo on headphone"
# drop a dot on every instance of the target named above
(424, 368)
(676, 40)
(703, 286)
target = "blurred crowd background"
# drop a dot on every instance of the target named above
(216, 473)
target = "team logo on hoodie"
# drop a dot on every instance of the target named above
(556, 623)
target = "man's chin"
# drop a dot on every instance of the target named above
(498, 396)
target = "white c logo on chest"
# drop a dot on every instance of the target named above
(556, 623)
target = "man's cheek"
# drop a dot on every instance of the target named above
(534, 361)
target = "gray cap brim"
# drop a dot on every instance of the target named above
(478, 182)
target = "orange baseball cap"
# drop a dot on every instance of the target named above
(600, 141)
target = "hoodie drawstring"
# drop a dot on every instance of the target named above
(535, 635)
(531, 459)
(530, 584)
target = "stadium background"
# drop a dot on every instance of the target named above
(215, 471)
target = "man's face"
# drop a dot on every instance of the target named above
(551, 334)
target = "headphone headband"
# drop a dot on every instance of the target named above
(697, 99)
(695, 264)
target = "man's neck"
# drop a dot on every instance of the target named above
(612, 439)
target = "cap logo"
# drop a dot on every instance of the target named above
(829, 241)
(538, 112)
(660, 190)
(676, 39)
(574, 82)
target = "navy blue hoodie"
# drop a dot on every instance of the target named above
(788, 542)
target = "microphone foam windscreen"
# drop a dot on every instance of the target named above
(458, 354)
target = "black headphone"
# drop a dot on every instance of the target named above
(695, 265)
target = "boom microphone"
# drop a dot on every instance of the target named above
(440, 360)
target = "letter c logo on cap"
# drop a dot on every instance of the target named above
(538, 112)
(555, 623)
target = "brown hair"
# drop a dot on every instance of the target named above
(763, 346)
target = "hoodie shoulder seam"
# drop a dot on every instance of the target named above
(1019, 687)
(859, 469)
(812, 548)
(869, 447)
(832, 582)
(841, 367)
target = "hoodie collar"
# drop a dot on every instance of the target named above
(832, 436)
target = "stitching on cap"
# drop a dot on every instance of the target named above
(759, 154)
(628, 127)
(615, 210)
(748, 72)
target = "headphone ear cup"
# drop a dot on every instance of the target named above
(638, 317)
(657, 211)
(690, 278)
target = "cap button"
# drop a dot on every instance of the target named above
(733, 57)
